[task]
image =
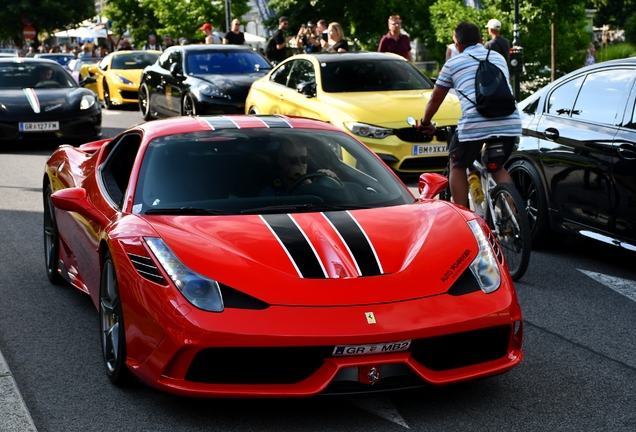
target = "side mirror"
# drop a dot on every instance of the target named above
(76, 200)
(430, 184)
(175, 70)
(307, 88)
(92, 69)
(87, 80)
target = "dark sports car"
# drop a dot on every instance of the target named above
(40, 100)
(576, 162)
(258, 256)
(200, 79)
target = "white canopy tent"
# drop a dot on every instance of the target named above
(82, 33)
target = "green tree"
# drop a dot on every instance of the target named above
(536, 19)
(47, 15)
(612, 12)
(364, 20)
(177, 17)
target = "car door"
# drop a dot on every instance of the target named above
(576, 134)
(172, 82)
(156, 82)
(294, 102)
(273, 93)
(624, 171)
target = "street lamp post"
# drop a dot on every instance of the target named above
(516, 55)
(228, 15)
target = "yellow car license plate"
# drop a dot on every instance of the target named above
(430, 149)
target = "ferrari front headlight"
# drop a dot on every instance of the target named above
(87, 102)
(199, 290)
(484, 267)
(124, 80)
(368, 131)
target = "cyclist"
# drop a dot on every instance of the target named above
(473, 129)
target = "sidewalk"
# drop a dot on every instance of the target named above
(14, 415)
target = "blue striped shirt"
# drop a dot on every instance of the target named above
(459, 73)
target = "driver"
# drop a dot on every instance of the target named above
(45, 74)
(292, 162)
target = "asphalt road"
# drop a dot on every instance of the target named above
(578, 373)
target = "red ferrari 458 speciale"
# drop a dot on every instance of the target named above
(270, 256)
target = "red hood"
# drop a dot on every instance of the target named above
(337, 258)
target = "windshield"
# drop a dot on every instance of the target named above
(136, 60)
(260, 171)
(372, 75)
(34, 75)
(225, 62)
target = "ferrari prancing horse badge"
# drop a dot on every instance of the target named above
(370, 317)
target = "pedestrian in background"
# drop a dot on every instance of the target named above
(235, 36)
(308, 38)
(211, 37)
(497, 42)
(321, 29)
(152, 44)
(336, 41)
(395, 41)
(277, 45)
(167, 41)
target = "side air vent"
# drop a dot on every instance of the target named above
(147, 268)
(233, 298)
(464, 284)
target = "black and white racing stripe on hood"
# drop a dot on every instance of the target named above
(303, 254)
(223, 122)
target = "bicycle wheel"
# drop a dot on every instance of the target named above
(509, 222)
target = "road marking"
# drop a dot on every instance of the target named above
(382, 407)
(625, 287)
(109, 113)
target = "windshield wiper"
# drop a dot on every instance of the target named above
(185, 211)
(291, 208)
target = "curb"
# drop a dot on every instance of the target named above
(14, 415)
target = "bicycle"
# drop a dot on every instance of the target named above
(502, 208)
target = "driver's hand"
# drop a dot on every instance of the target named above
(328, 172)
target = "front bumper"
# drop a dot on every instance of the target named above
(402, 150)
(287, 351)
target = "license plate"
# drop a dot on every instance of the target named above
(39, 126)
(382, 348)
(430, 149)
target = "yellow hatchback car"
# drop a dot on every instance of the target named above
(369, 95)
(115, 79)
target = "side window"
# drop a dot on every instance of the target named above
(115, 173)
(103, 65)
(303, 71)
(562, 99)
(164, 60)
(280, 75)
(610, 86)
(175, 58)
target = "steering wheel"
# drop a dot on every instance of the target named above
(327, 177)
(48, 83)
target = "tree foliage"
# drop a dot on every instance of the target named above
(535, 21)
(47, 15)
(364, 20)
(177, 17)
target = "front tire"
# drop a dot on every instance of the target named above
(111, 326)
(144, 102)
(188, 107)
(51, 240)
(108, 103)
(253, 111)
(509, 223)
